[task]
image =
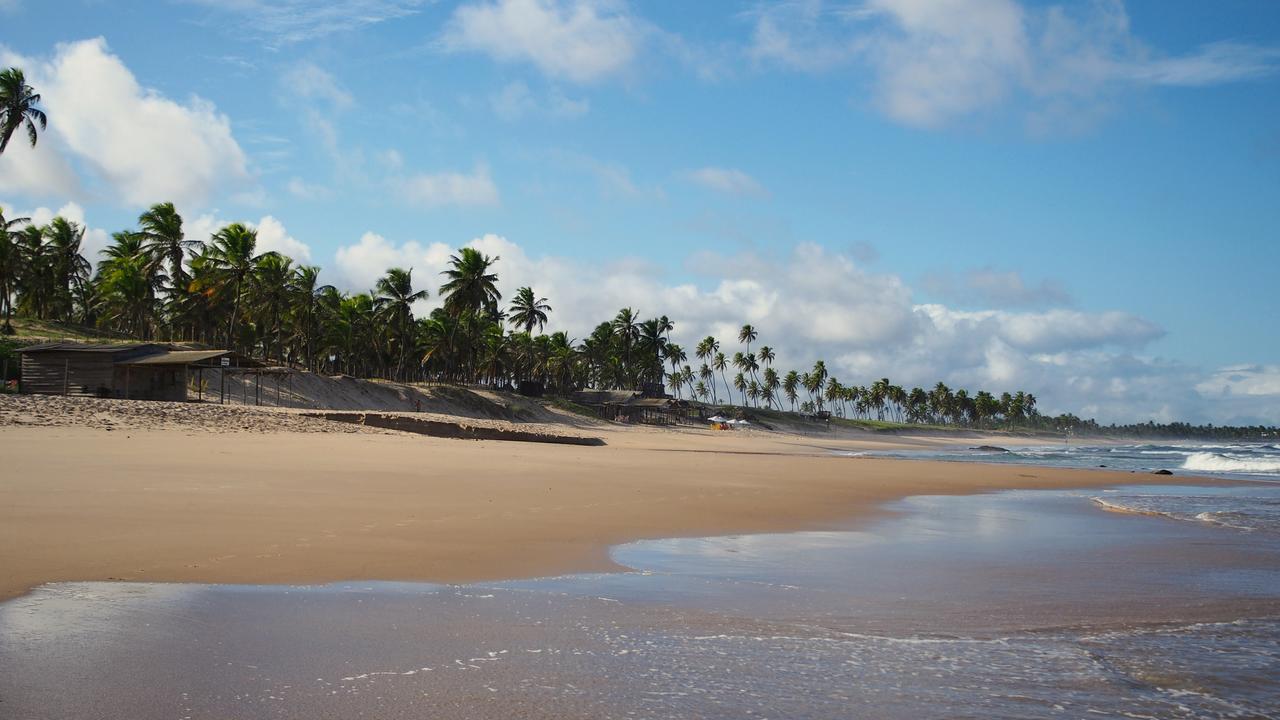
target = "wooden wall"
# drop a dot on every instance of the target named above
(78, 373)
(96, 375)
(151, 382)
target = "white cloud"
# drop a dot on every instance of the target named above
(935, 62)
(272, 235)
(515, 100)
(816, 303)
(138, 145)
(303, 190)
(449, 188)
(95, 239)
(727, 180)
(577, 40)
(291, 21)
(994, 288)
(1248, 380)
(310, 81)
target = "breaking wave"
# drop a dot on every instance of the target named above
(1219, 463)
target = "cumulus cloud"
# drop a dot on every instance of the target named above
(581, 41)
(135, 144)
(726, 180)
(935, 62)
(1246, 380)
(95, 239)
(816, 303)
(272, 235)
(449, 188)
(994, 288)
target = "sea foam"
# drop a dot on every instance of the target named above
(1217, 462)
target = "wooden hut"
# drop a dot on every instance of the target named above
(140, 371)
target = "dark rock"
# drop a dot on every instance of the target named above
(1161, 471)
(990, 448)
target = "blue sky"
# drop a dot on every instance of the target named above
(1079, 199)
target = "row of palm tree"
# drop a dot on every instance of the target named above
(153, 282)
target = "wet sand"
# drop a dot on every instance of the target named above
(1016, 604)
(186, 505)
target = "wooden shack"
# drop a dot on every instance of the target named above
(142, 371)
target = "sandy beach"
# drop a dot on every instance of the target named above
(138, 492)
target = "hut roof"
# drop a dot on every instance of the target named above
(191, 357)
(88, 347)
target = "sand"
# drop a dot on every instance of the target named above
(294, 500)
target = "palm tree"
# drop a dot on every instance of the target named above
(627, 330)
(706, 350)
(718, 362)
(305, 306)
(231, 259)
(18, 107)
(790, 387)
(470, 287)
(161, 228)
(395, 308)
(528, 310)
(270, 290)
(747, 335)
(10, 266)
(69, 268)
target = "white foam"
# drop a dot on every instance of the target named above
(1215, 462)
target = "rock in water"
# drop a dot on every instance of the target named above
(990, 448)
(1161, 471)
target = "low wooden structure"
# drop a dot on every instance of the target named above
(651, 411)
(138, 371)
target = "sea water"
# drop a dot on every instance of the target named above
(1015, 604)
(1240, 460)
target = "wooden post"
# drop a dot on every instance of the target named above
(126, 382)
(66, 374)
(200, 384)
(257, 388)
(277, 391)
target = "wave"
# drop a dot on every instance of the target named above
(1215, 462)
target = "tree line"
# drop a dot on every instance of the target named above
(153, 282)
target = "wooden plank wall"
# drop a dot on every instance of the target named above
(80, 374)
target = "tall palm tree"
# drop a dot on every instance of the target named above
(791, 386)
(18, 107)
(232, 260)
(627, 330)
(269, 286)
(718, 362)
(306, 304)
(471, 287)
(161, 228)
(10, 267)
(69, 268)
(395, 301)
(528, 310)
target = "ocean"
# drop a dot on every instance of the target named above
(1254, 461)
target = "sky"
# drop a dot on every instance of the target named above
(1080, 200)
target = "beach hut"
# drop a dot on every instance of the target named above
(138, 371)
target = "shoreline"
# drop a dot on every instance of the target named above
(177, 505)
